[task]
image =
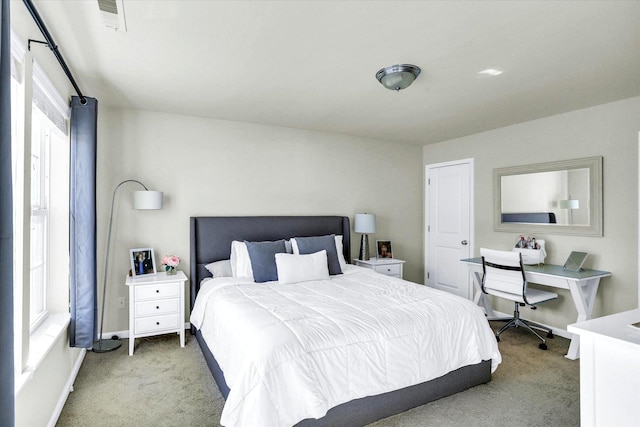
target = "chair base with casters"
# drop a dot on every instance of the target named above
(517, 322)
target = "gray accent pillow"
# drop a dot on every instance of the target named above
(263, 259)
(310, 245)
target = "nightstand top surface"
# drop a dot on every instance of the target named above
(160, 277)
(381, 261)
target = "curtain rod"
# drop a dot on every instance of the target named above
(54, 48)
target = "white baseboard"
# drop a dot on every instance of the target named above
(125, 334)
(556, 331)
(68, 388)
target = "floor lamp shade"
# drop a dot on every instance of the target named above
(570, 204)
(365, 224)
(147, 200)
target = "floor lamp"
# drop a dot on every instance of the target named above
(364, 223)
(141, 200)
(570, 204)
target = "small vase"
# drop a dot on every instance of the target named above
(171, 271)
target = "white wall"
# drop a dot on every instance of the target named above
(213, 167)
(609, 130)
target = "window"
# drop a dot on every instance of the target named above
(42, 130)
(40, 167)
(47, 143)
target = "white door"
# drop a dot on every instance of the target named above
(449, 226)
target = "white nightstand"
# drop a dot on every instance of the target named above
(156, 306)
(388, 266)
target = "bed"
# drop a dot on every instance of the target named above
(211, 239)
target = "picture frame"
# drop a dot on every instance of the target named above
(143, 262)
(384, 249)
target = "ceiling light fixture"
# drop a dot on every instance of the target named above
(398, 77)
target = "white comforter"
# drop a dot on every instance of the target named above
(290, 352)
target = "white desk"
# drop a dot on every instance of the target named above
(609, 370)
(582, 284)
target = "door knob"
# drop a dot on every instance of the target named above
(464, 243)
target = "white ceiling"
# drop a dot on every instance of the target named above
(312, 64)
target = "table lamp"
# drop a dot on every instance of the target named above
(366, 224)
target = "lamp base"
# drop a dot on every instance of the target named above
(104, 346)
(364, 248)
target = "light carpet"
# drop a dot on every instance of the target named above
(165, 385)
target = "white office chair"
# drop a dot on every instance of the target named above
(504, 277)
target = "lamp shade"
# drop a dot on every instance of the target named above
(365, 223)
(147, 200)
(570, 204)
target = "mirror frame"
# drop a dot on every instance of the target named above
(594, 164)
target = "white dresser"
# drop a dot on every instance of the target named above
(156, 306)
(389, 266)
(609, 370)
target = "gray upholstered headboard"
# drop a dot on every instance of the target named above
(530, 217)
(211, 237)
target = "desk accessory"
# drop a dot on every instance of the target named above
(532, 250)
(575, 261)
(635, 326)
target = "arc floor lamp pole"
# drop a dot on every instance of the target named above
(141, 200)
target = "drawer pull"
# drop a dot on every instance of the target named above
(157, 291)
(157, 323)
(388, 269)
(157, 307)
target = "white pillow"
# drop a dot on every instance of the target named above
(240, 261)
(302, 268)
(339, 249)
(343, 262)
(288, 246)
(220, 268)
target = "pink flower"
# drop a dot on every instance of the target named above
(170, 260)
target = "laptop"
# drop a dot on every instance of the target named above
(575, 261)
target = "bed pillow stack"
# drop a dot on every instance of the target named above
(257, 261)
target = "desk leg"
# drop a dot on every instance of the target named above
(480, 298)
(584, 295)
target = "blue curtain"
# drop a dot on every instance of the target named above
(84, 307)
(7, 411)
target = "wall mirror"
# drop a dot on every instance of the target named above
(563, 197)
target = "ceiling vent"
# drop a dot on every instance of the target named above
(112, 13)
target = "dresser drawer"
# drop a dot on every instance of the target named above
(158, 307)
(164, 290)
(389, 270)
(156, 323)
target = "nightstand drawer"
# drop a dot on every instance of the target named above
(156, 323)
(158, 307)
(164, 290)
(389, 270)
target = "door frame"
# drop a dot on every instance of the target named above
(428, 168)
